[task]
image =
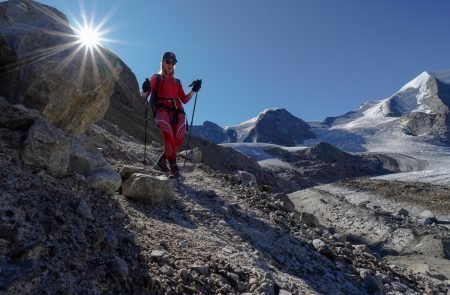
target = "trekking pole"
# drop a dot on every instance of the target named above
(145, 88)
(190, 129)
(145, 134)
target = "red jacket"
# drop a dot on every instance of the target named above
(167, 87)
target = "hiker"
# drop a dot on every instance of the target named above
(166, 102)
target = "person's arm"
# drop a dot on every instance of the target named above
(196, 85)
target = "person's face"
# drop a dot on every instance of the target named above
(169, 65)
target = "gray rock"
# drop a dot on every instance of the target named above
(16, 116)
(309, 219)
(201, 269)
(104, 179)
(285, 203)
(402, 212)
(361, 249)
(126, 171)
(322, 247)
(432, 245)
(402, 239)
(84, 210)
(265, 288)
(83, 160)
(427, 214)
(158, 253)
(167, 270)
(399, 287)
(46, 147)
(184, 275)
(146, 188)
(371, 283)
(247, 178)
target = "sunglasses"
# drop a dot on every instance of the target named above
(170, 62)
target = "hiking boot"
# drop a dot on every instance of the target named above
(174, 170)
(161, 165)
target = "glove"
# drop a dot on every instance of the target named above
(196, 85)
(146, 85)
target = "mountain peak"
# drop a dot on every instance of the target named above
(417, 82)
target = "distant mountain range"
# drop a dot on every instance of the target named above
(420, 109)
(276, 126)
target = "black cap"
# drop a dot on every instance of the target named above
(169, 56)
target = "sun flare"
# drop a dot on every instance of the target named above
(89, 37)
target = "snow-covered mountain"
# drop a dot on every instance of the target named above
(276, 126)
(428, 93)
(417, 114)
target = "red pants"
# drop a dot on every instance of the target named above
(172, 132)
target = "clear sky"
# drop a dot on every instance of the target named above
(316, 58)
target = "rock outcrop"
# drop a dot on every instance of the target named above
(43, 67)
(280, 127)
(47, 147)
(37, 143)
(419, 124)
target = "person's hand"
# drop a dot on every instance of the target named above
(196, 85)
(146, 86)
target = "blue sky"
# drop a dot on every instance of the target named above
(316, 58)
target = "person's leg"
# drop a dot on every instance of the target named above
(179, 131)
(163, 123)
(161, 164)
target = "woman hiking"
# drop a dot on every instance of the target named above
(166, 101)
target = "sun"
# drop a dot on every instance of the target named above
(89, 37)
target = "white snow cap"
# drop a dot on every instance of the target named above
(420, 80)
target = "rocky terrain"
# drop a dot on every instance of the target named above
(81, 214)
(217, 234)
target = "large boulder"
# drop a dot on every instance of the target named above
(49, 71)
(46, 147)
(147, 188)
